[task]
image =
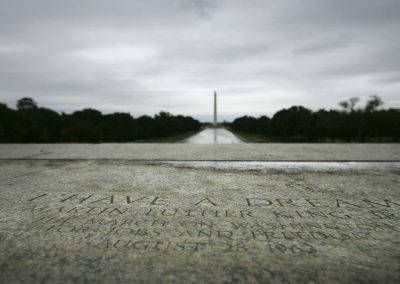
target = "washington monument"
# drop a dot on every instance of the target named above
(215, 109)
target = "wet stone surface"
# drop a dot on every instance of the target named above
(138, 221)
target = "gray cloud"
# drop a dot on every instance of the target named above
(147, 56)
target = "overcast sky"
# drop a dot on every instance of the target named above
(146, 56)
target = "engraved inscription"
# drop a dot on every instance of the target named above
(157, 224)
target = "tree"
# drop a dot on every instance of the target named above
(293, 124)
(119, 127)
(8, 119)
(344, 105)
(26, 103)
(350, 104)
(84, 126)
(245, 123)
(373, 103)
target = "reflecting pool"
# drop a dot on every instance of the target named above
(214, 136)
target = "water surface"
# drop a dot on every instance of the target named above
(214, 136)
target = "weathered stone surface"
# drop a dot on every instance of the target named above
(242, 152)
(113, 219)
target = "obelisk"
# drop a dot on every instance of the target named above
(215, 108)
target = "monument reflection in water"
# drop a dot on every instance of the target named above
(214, 136)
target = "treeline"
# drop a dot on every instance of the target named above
(32, 124)
(350, 124)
